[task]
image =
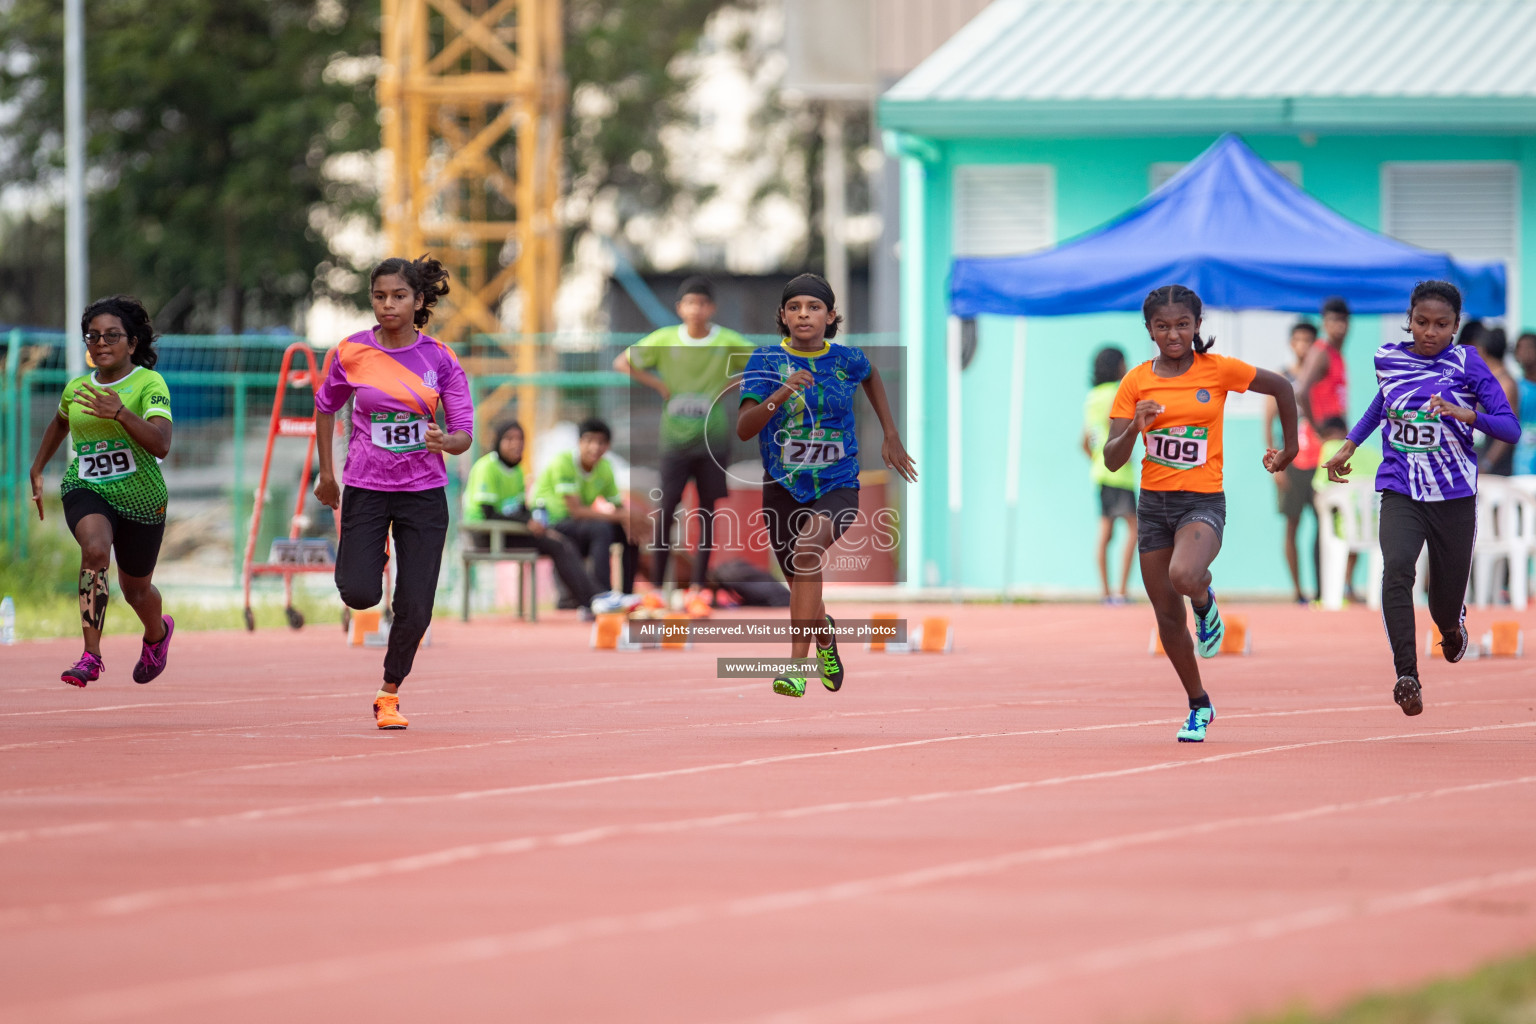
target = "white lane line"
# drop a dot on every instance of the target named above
(928, 999)
(373, 736)
(154, 899)
(293, 810)
(163, 997)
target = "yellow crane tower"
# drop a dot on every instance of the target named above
(473, 97)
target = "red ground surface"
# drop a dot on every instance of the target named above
(1006, 833)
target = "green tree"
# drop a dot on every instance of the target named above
(210, 129)
(620, 58)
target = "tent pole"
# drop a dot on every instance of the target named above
(953, 409)
(1015, 451)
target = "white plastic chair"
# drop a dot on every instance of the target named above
(1506, 533)
(1347, 521)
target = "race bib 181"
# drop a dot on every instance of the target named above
(105, 461)
(399, 431)
(1178, 447)
(1414, 430)
(804, 449)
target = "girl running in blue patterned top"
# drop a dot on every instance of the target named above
(118, 418)
(797, 399)
(1427, 408)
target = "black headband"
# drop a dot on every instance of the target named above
(813, 285)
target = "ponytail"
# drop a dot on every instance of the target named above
(424, 274)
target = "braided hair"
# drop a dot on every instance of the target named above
(1175, 295)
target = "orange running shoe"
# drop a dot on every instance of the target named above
(386, 711)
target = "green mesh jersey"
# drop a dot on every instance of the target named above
(697, 372)
(107, 460)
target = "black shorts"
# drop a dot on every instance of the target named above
(785, 514)
(1162, 514)
(1297, 496)
(136, 545)
(696, 463)
(1117, 502)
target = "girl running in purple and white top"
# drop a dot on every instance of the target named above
(395, 475)
(1429, 391)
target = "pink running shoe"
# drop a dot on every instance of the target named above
(87, 669)
(152, 657)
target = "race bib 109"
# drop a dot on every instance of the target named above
(1413, 430)
(105, 461)
(1178, 447)
(806, 449)
(399, 432)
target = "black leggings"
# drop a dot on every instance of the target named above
(1449, 528)
(419, 522)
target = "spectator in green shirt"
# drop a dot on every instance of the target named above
(1117, 487)
(567, 492)
(690, 365)
(497, 490)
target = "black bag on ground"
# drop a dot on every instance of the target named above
(751, 585)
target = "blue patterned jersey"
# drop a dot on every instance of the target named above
(810, 445)
(1432, 459)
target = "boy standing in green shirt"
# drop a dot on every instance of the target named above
(497, 490)
(690, 366)
(1117, 487)
(566, 493)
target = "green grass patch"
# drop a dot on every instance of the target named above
(40, 618)
(1502, 993)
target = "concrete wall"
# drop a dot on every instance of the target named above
(1056, 521)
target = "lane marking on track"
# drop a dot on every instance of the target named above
(292, 810)
(164, 997)
(154, 899)
(118, 784)
(920, 999)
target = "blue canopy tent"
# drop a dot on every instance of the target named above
(1229, 226)
(1236, 231)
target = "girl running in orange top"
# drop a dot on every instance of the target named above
(1175, 402)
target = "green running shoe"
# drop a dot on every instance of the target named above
(1209, 629)
(831, 664)
(1194, 726)
(789, 686)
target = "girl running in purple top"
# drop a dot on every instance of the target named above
(1427, 408)
(395, 474)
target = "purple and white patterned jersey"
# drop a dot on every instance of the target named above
(1432, 458)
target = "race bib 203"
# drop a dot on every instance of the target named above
(1413, 430)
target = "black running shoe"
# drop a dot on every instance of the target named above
(1454, 647)
(1409, 695)
(831, 663)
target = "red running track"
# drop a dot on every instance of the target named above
(1006, 833)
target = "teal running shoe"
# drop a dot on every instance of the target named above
(789, 686)
(1209, 629)
(1194, 726)
(831, 664)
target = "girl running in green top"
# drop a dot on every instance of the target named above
(119, 421)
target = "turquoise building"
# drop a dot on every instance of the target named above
(1042, 119)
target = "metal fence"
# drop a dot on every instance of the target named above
(222, 390)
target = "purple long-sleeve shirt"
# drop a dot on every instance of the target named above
(1424, 458)
(397, 393)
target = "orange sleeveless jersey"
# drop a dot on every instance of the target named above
(1183, 445)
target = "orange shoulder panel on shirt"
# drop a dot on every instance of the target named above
(374, 367)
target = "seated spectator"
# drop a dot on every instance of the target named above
(497, 490)
(569, 490)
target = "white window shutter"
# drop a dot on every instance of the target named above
(1004, 209)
